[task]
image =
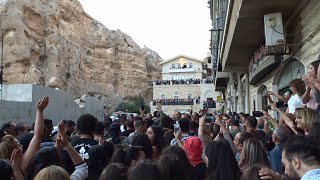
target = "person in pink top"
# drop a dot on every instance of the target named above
(309, 96)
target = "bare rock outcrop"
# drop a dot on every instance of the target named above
(56, 43)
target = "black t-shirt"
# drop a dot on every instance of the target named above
(83, 145)
(127, 133)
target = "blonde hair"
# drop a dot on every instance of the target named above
(52, 173)
(7, 146)
(308, 115)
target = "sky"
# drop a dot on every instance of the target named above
(169, 27)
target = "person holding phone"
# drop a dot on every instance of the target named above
(184, 128)
(298, 88)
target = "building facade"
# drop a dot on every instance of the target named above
(186, 84)
(255, 66)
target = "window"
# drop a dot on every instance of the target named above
(184, 65)
(189, 96)
(162, 96)
(173, 66)
(175, 95)
(190, 65)
(179, 66)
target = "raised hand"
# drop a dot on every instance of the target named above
(266, 173)
(62, 137)
(42, 103)
(16, 159)
(269, 93)
(178, 135)
(218, 120)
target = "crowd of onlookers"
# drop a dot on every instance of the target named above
(192, 146)
(183, 81)
(173, 101)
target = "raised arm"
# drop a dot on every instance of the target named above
(35, 142)
(225, 132)
(306, 96)
(278, 96)
(269, 118)
(177, 136)
(81, 167)
(285, 118)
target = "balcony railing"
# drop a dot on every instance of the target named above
(209, 104)
(173, 102)
(183, 81)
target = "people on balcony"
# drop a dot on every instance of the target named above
(173, 101)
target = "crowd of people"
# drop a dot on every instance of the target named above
(190, 146)
(173, 101)
(183, 81)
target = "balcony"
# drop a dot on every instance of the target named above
(209, 104)
(183, 82)
(181, 70)
(173, 102)
(244, 30)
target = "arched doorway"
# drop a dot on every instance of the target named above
(261, 97)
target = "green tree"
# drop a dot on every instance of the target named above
(132, 105)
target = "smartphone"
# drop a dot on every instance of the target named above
(257, 114)
(279, 104)
(176, 127)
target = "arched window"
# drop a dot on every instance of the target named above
(179, 66)
(190, 65)
(294, 70)
(173, 66)
(176, 94)
(262, 100)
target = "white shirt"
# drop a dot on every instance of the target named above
(294, 102)
(313, 174)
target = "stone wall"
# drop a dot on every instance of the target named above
(57, 44)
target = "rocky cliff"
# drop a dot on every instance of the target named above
(54, 42)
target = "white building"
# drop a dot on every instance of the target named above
(186, 84)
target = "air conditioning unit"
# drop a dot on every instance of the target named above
(274, 35)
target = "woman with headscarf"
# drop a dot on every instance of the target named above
(193, 147)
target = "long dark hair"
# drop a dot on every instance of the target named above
(126, 156)
(221, 161)
(254, 152)
(99, 158)
(315, 65)
(115, 133)
(172, 168)
(158, 136)
(43, 158)
(143, 141)
(145, 170)
(115, 171)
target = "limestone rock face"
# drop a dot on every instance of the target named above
(56, 43)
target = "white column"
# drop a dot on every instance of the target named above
(247, 95)
(240, 94)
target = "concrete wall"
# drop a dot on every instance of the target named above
(17, 107)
